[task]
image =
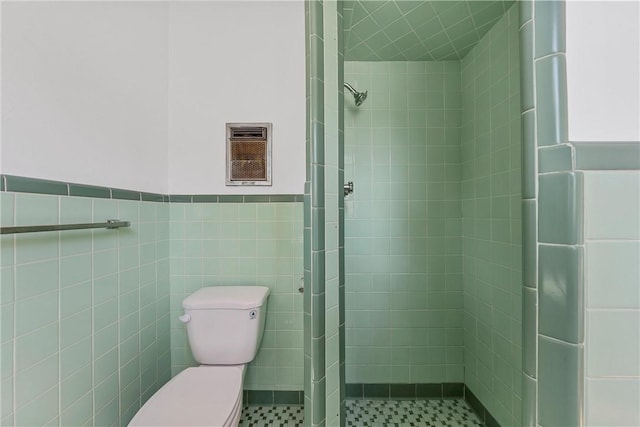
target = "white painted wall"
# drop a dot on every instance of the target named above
(603, 70)
(136, 94)
(235, 62)
(84, 92)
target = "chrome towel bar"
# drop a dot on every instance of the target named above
(111, 223)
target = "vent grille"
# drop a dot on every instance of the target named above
(249, 154)
(249, 133)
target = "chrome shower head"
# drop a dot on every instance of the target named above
(358, 97)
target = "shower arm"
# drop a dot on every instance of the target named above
(351, 89)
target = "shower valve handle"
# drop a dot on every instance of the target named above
(348, 188)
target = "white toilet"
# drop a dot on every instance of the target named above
(225, 326)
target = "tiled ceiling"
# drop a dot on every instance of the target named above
(416, 30)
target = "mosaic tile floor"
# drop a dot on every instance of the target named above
(258, 416)
(424, 413)
(373, 413)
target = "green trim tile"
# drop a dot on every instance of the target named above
(607, 155)
(230, 199)
(560, 383)
(529, 401)
(561, 208)
(318, 273)
(529, 243)
(282, 198)
(319, 354)
(529, 173)
(204, 198)
(256, 199)
(82, 190)
(120, 194)
(317, 138)
(318, 307)
(550, 27)
(33, 185)
(555, 159)
(526, 11)
(319, 402)
(317, 229)
(529, 335)
(2, 182)
(561, 296)
(151, 197)
(180, 198)
(317, 97)
(527, 96)
(551, 100)
(317, 181)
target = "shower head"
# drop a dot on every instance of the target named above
(358, 97)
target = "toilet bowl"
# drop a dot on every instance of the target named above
(225, 325)
(202, 396)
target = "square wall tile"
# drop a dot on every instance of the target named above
(612, 274)
(612, 205)
(612, 402)
(613, 344)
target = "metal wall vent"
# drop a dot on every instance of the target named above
(249, 153)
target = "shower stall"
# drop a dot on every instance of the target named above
(428, 253)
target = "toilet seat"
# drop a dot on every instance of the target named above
(202, 396)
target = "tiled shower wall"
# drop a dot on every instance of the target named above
(85, 314)
(402, 224)
(334, 213)
(218, 244)
(491, 225)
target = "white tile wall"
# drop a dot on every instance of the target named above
(612, 242)
(613, 402)
(612, 205)
(611, 268)
(613, 346)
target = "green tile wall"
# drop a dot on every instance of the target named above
(216, 244)
(402, 224)
(315, 381)
(333, 226)
(85, 326)
(491, 228)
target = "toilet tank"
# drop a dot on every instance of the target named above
(225, 323)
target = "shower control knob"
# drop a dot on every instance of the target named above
(348, 188)
(185, 318)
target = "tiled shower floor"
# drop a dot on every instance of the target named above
(374, 413)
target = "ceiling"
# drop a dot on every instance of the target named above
(407, 30)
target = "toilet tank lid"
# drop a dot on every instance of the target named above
(227, 297)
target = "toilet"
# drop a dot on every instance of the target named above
(225, 325)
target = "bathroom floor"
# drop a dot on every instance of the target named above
(257, 416)
(374, 413)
